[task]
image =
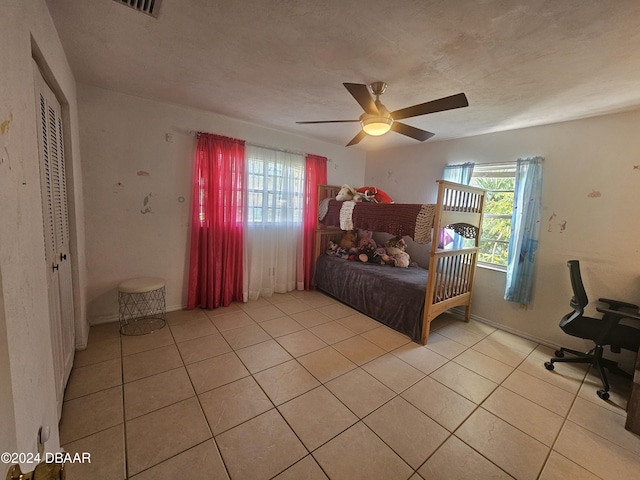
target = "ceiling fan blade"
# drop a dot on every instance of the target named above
(329, 121)
(413, 132)
(357, 138)
(447, 103)
(360, 92)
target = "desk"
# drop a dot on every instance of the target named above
(633, 407)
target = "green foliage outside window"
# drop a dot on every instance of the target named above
(496, 224)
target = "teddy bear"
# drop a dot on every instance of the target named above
(396, 249)
(348, 240)
(348, 193)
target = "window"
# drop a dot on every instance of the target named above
(275, 234)
(275, 186)
(499, 181)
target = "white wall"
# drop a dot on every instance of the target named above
(27, 30)
(126, 157)
(591, 182)
(7, 417)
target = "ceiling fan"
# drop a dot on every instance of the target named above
(377, 120)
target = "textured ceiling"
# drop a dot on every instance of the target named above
(274, 62)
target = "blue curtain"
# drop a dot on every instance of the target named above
(525, 230)
(460, 173)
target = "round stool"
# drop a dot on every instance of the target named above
(142, 305)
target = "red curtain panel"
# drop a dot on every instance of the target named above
(316, 174)
(215, 264)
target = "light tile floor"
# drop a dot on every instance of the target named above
(299, 386)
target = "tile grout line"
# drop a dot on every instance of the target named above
(200, 407)
(360, 420)
(323, 384)
(275, 407)
(557, 436)
(479, 406)
(124, 415)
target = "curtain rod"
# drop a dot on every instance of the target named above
(494, 164)
(268, 147)
(498, 164)
(295, 152)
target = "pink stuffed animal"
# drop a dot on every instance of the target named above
(365, 237)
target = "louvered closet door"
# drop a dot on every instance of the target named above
(56, 233)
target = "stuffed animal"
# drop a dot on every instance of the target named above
(402, 259)
(366, 253)
(367, 196)
(396, 243)
(348, 193)
(373, 194)
(382, 256)
(396, 249)
(332, 248)
(348, 240)
(365, 237)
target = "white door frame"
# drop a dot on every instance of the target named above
(51, 152)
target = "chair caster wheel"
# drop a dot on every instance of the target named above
(559, 353)
(548, 365)
(603, 394)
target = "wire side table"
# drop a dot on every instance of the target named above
(142, 305)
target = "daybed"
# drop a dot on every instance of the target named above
(405, 299)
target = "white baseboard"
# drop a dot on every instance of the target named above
(459, 312)
(114, 318)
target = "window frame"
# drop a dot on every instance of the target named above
(269, 191)
(494, 170)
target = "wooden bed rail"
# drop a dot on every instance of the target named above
(323, 236)
(452, 285)
(457, 204)
(451, 271)
(451, 278)
(454, 271)
(459, 198)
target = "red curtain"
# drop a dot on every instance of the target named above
(315, 174)
(215, 264)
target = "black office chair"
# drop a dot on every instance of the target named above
(602, 331)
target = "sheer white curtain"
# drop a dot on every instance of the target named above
(273, 253)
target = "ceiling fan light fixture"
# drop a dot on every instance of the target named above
(375, 125)
(377, 120)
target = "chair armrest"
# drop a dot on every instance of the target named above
(618, 313)
(613, 304)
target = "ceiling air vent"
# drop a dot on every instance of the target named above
(150, 7)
